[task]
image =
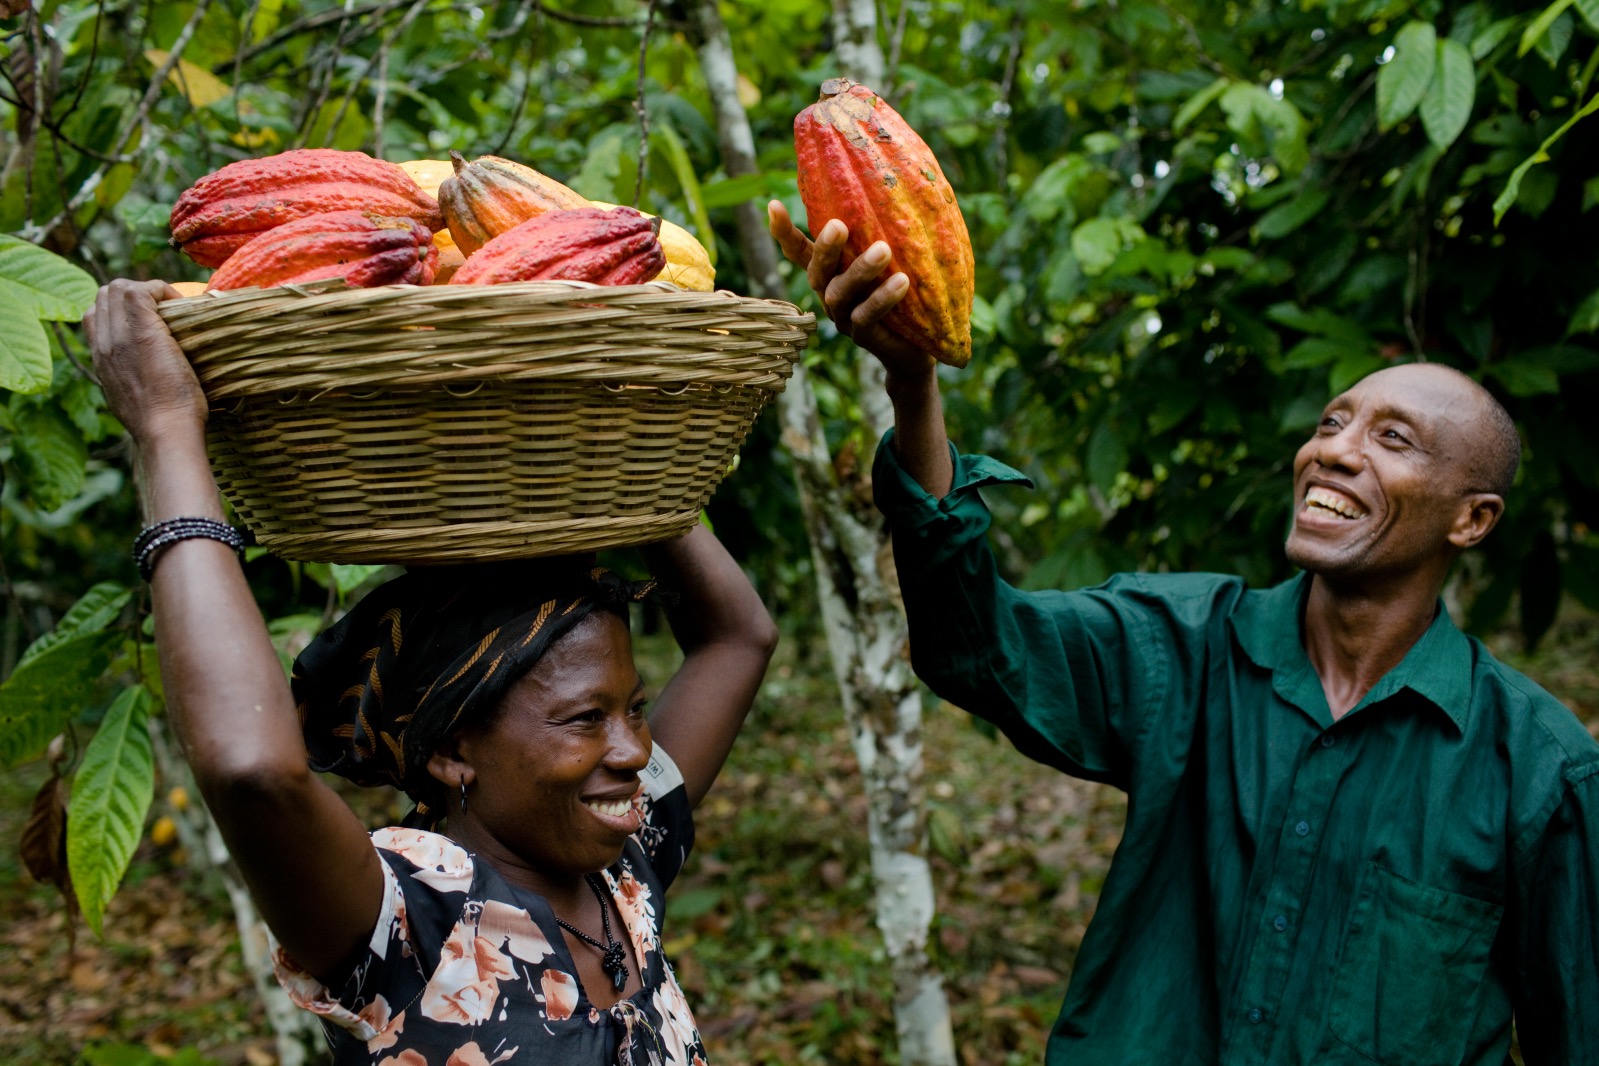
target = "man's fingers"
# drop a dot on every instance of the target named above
(796, 246)
(825, 255)
(870, 310)
(857, 283)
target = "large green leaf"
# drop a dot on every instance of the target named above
(1589, 9)
(43, 282)
(1286, 217)
(1446, 108)
(683, 169)
(24, 348)
(44, 693)
(51, 454)
(111, 794)
(1403, 80)
(1197, 103)
(95, 610)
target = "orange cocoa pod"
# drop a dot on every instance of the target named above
(617, 247)
(861, 163)
(363, 248)
(224, 211)
(490, 195)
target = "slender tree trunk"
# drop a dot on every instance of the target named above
(865, 627)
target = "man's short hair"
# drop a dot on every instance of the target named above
(1500, 455)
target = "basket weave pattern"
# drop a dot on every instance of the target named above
(466, 423)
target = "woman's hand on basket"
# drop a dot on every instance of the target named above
(855, 298)
(148, 382)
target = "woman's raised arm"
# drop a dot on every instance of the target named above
(727, 638)
(303, 853)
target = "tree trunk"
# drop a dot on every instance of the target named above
(866, 632)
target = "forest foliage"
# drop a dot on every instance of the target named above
(1193, 224)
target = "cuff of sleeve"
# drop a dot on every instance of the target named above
(941, 527)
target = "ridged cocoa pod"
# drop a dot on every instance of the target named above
(861, 163)
(490, 195)
(223, 212)
(617, 247)
(363, 248)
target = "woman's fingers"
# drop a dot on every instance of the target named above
(796, 246)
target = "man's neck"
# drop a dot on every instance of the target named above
(1355, 636)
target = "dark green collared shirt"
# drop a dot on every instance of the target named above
(1387, 888)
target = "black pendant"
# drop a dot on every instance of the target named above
(613, 964)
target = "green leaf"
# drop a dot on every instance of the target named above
(1107, 457)
(43, 283)
(1589, 10)
(1524, 378)
(51, 454)
(1490, 38)
(111, 794)
(1513, 185)
(731, 192)
(1585, 319)
(1446, 108)
(1202, 99)
(95, 610)
(44, 693)
(24, 347)
(1286, 217)
(1319, 351)
(1351, 368)
(1403, 80)
(1540, 25)
(1553, 44)
(1319, 321)
(1097, 243)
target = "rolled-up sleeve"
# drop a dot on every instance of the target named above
(1068, 677)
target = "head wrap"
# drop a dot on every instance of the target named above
(430, 652)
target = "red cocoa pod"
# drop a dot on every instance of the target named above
(617, 247)
(861, 163)
(224, 211)
(363, 248)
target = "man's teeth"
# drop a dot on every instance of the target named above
(1334, 502)
(612, 810)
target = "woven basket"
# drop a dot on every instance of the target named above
(463, 423)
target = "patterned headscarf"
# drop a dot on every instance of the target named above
(430, 652)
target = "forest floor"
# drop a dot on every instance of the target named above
(771, 923)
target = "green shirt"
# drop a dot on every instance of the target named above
(1386, 888)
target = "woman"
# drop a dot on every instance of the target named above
(503, 698)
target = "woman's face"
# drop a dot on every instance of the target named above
(555, 771)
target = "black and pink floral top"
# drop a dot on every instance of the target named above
(465, 969)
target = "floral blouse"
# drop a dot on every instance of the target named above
(465, 969)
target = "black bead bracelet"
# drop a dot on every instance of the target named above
(158, 536)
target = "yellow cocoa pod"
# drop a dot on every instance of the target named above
(163, 832)
(688, 264)
(429, 174)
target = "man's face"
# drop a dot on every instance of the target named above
(1381, 484)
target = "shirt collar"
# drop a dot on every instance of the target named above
(1437, 667)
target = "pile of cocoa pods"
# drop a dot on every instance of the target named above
(317, 213)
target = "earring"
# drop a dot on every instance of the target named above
(463, 795)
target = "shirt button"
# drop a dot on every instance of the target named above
(1327, 740)
(1303, 829)
(1279, 923)
(1256, 1016)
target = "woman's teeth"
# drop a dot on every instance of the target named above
(1334, 502)
(611, 810)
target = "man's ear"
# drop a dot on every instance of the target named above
(1479, 513)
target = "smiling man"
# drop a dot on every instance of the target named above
(1353, 836)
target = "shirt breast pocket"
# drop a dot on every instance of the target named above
(1411, 971)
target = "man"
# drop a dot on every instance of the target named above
(1352, 835)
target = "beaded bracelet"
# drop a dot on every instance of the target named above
(158, 536)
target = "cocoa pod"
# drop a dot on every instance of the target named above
(861, 163)
(429, 174)
(224, 211)
(617, 247)
(490, 195)
(688, 264)
(363, 248)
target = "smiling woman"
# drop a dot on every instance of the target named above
(504, 700)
